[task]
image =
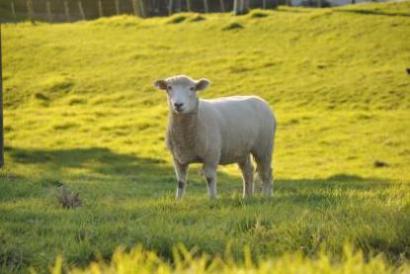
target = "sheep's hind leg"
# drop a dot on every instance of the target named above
(247, 176)
(209, 172)
(266, 176)
(181, 173)
(264, 169)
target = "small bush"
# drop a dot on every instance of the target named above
(176, 19)
(65, 126)
(379, 164)
(233, 26)
(197, 18)
(77, 101)
(258, 14)
(41, 96)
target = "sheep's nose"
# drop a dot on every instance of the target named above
(178, 106)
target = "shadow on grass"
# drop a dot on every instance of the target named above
(103, 161)
(308, 193)
(151, 177)
(329, 192)
(146, 212)
(283, 9)
(97, 160)
(373, 12)
(340, 181)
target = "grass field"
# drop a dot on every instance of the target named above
(81, 112)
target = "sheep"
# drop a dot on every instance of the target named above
(216, 132)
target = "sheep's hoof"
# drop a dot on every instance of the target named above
(267, 190)
(268, 194)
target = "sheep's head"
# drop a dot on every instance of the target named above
(182, 92)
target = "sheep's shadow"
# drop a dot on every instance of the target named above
(107, 164)
(312, 192)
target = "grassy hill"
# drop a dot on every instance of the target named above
(81, 112)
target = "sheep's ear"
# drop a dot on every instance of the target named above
(202, 84)
(160, 84)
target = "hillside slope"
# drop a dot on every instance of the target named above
(80, 111)
(325, 72)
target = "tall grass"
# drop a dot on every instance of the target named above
(140, 261)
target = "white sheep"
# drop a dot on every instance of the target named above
(217, 132)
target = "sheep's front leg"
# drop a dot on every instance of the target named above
(181, 173)
(209, 172)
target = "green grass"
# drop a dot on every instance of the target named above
(81, 112)
(185, 261)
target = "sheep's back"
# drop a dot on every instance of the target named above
(243, 122)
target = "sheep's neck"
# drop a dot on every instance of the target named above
(182, 134)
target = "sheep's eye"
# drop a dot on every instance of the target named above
(169, 87)
(191, 88)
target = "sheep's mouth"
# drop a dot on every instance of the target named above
(179, 110)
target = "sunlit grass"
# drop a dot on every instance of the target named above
(81, 112)
(185, 261)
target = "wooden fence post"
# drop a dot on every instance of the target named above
(240, 7)
(1, 110)
(170, 5)
(221, 3)
(142, 8)
(206, 8)
(135, 7)
(13, 9)
(188, 5)
(117, 6)
(100, 8)
(81, 9)
(264, 4)
(67, 11)
(30, 10)
(178, 6)
(48, 9)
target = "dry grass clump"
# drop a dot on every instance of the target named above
(68, 199)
